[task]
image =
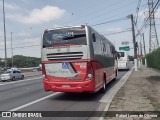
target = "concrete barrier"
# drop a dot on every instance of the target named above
(30, 74)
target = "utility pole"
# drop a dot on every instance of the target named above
(4, 36)
(12, 49)
(140, 48)
(144, 47)
(134, 43)
(141, 54)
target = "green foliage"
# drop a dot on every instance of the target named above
(153, 59)
(143, 60)
(1, 63)
(21, 61)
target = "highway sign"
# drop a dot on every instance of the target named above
(126, 48)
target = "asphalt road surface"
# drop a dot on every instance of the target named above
(29, 95)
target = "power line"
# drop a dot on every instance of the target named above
(111, 21)
(137, 11)
(95, 11)
(148, 17)
(19, 38)
(24, 46)
(98, 16)
(143, 12)
(117, 32)
(118, 14)
(157, 8)
(153, 38)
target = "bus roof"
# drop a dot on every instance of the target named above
(61, 27)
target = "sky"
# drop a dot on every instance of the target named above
(27, 19)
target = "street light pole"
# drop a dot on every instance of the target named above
(4, 36)
(12, 49)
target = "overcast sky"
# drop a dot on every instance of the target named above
(27, 19)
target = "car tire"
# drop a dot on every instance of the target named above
(13, 78)
(22, 77)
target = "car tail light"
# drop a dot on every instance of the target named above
(90, 72)
(126, 64)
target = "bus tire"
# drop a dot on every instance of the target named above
(103, 89)
(116, 74)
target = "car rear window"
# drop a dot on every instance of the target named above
(121, 54)
(7, 72)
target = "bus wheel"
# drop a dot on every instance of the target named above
(114, 79)
(116, 72)
(103, 89)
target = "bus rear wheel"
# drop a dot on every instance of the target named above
(103, 89)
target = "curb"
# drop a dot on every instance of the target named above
(115, 90)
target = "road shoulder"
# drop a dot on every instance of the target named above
(141, 92)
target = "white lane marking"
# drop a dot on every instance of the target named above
(21, 81)
(20, 84)
(33, 102)
(107, 98)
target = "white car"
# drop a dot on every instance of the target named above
(11, 75)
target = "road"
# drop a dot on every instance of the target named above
(29, 95)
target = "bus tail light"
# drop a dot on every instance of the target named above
(43, 70)
(90, 72)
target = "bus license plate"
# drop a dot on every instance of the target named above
(65, 86)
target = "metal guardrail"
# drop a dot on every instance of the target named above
(29, 74)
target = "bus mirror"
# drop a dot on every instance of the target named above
(94, 37)
(113, 50)
(117, 55)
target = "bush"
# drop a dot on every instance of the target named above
(131, 58)
(153, 59)
(143, 60)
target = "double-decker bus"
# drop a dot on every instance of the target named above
(77, 59)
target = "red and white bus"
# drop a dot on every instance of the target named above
(77, 59)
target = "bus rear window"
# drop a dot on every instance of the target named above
(121, 54)
(75, 36)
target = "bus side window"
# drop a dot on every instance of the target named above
(94, 37)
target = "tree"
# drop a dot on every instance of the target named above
(131, 58)
(21, 61)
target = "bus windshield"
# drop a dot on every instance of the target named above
(75, 36)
